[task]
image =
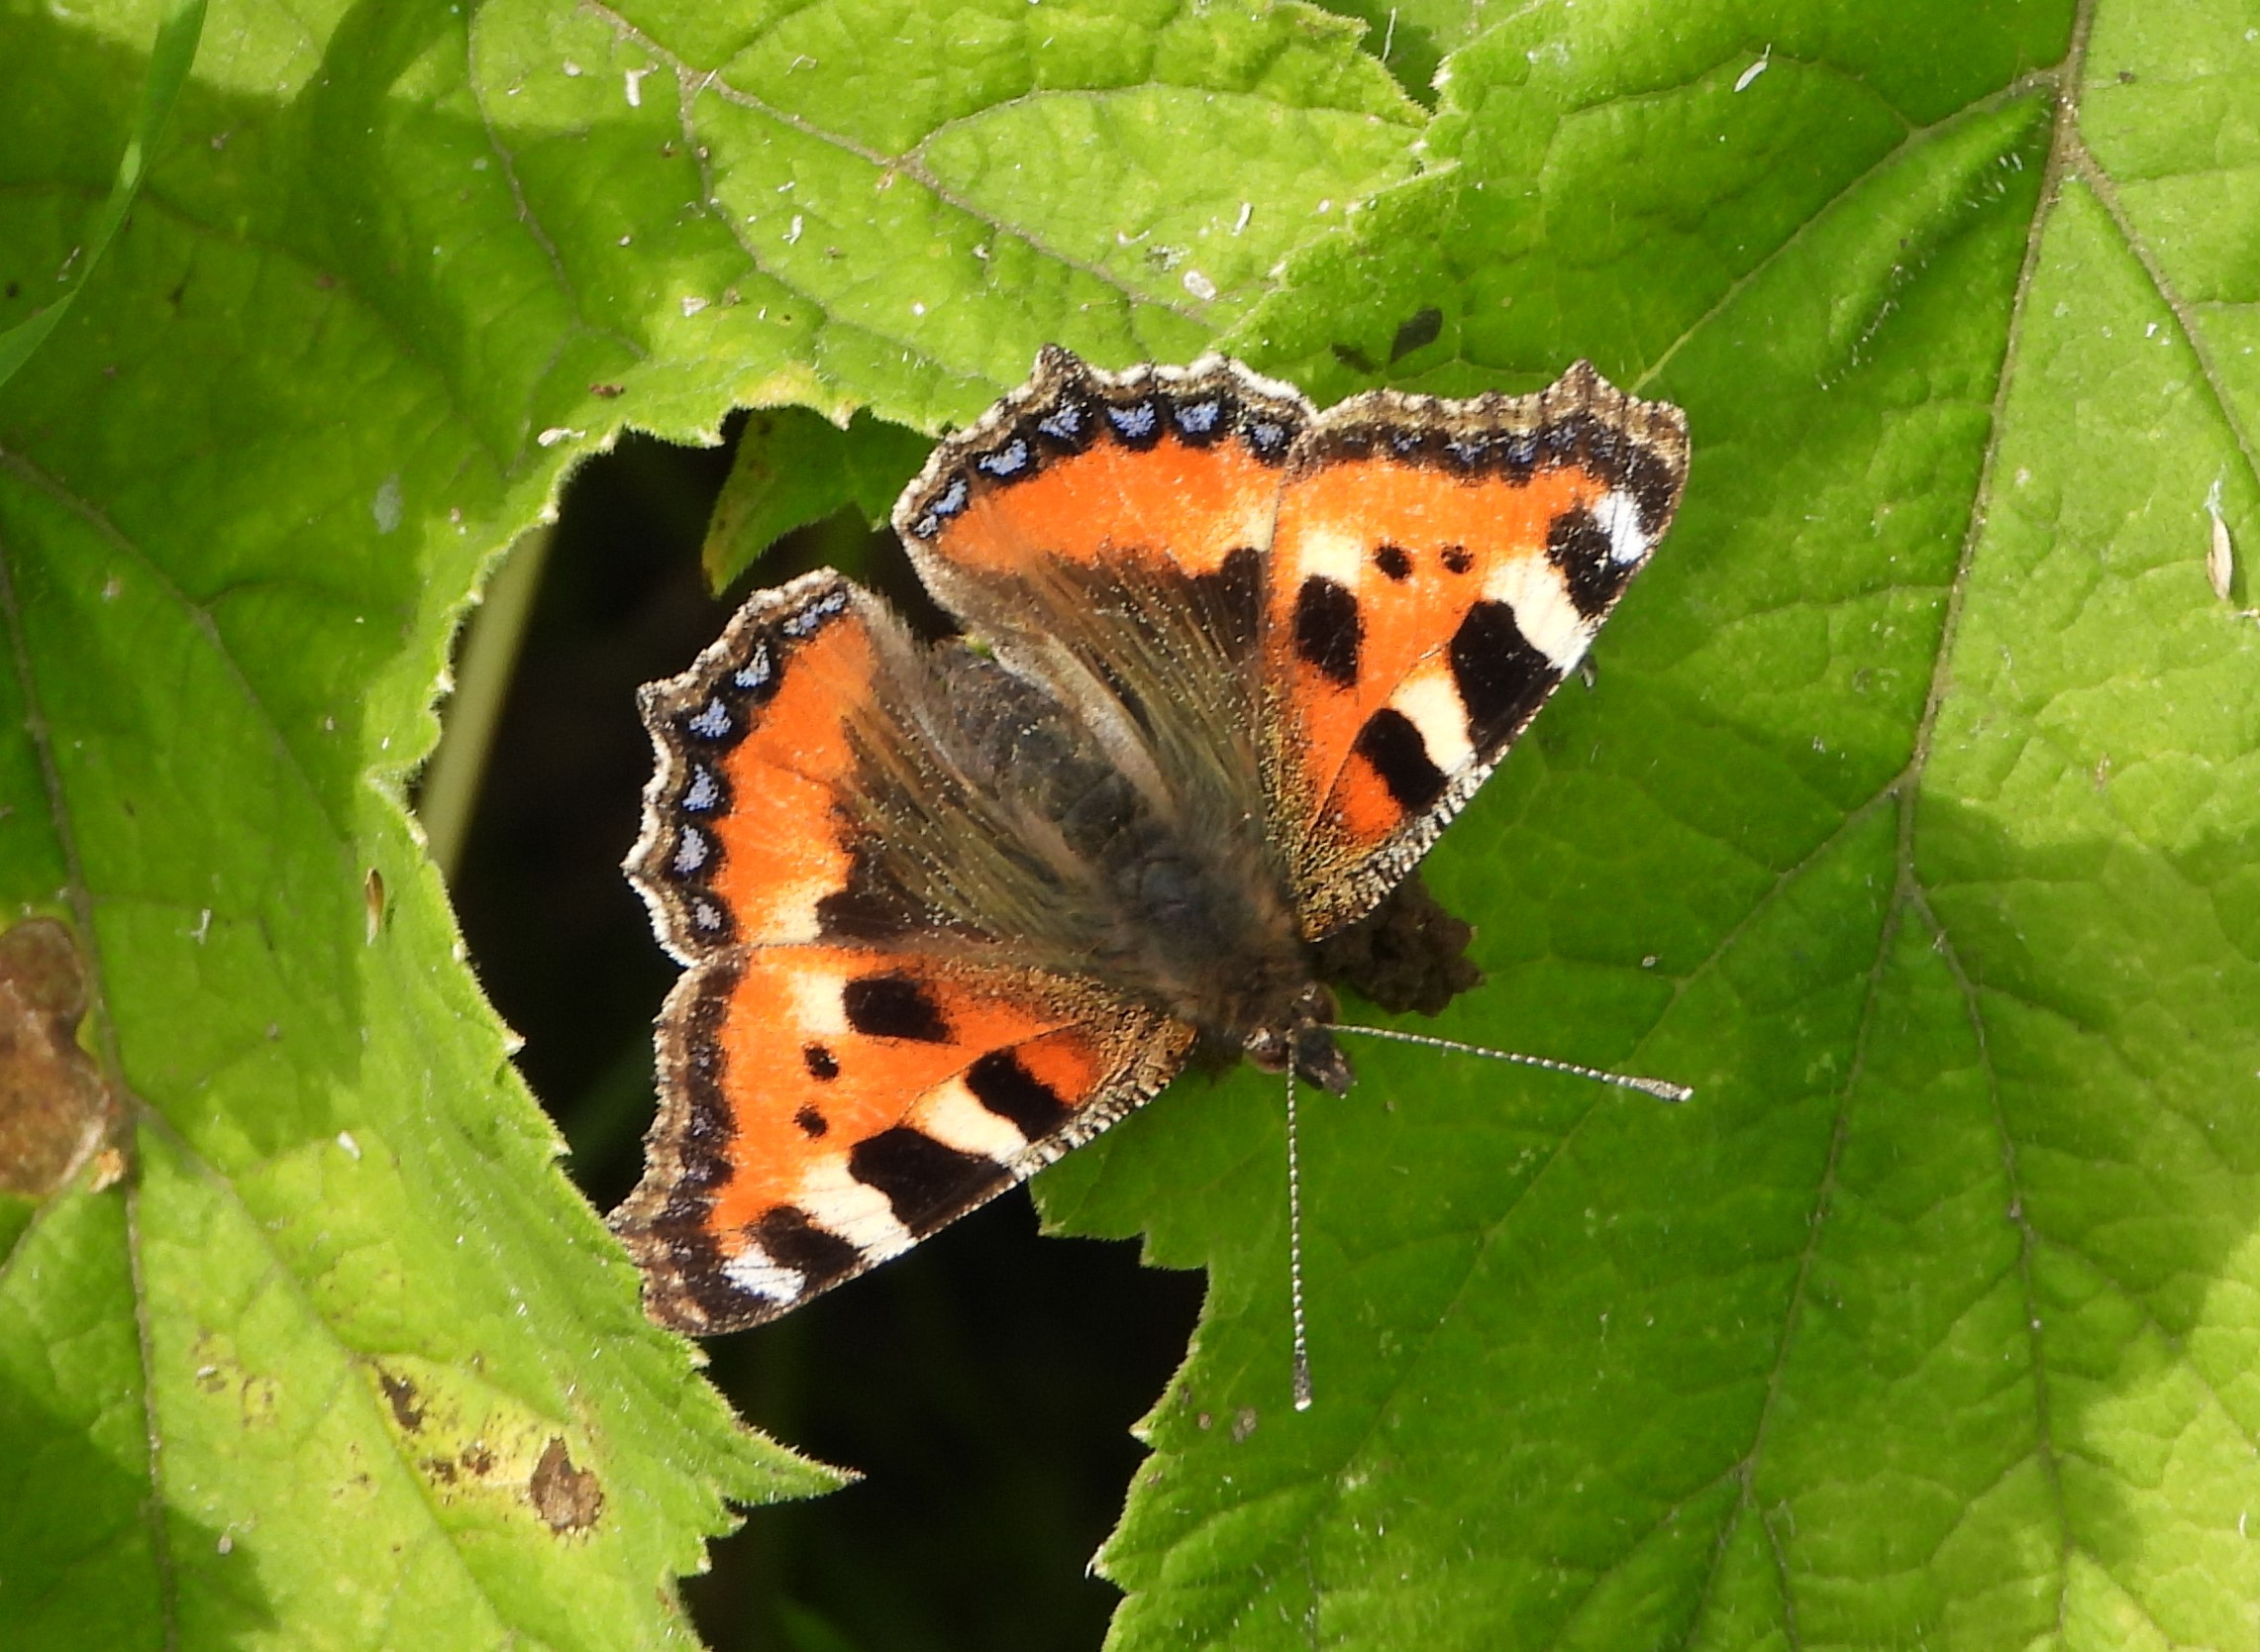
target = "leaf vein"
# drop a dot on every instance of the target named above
(905, 165)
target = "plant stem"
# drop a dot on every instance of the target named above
(484, 669)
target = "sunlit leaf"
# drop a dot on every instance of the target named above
(328, 1352)
(1912, 817)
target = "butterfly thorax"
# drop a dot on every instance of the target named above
(1169, 896)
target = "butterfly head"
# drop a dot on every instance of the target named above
(1303, 1037)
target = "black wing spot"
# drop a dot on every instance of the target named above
(1007, 1089)
(1395, 561)
(1328, 630)
(1458, 559)
(1232, 593)
(811, 1122)
(1501, 675)
(893, 1006)
(1655, 487)
(1578, 547)
(793, 1241)
(868, 908)
(1391, 743)
(820, 1062)
(925, 1182)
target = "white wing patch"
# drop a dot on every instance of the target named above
(1619, 517)
(1430, 702)
(755, 1271)
(1543, 612)
(854, 1210)
(955, 1117)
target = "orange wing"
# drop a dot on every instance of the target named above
(826, 1108)
(851, 1062)
(1086, 466)
(1107, 536)
(1438, 568)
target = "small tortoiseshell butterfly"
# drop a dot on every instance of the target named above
(1229, 666)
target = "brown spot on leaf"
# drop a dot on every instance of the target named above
(478, 1459)
(567, 1498)
(400, 1393)
(54, 1104)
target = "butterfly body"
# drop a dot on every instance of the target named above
(1176, 907)
(1228, 667)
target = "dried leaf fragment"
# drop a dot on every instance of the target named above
(567, 1498)
(54, 1107)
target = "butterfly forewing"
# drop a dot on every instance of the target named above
(1438, 568)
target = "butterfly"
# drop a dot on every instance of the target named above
(1227, 667)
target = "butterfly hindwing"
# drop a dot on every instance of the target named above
(829, 1106)
(1438, 568)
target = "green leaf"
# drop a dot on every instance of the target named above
(793, 467)
(342, 1359)
(178, 30)
(1912, 816)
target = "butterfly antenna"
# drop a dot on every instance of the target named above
(1294, 1247)
(1663, 1090)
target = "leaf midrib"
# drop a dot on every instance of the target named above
(1909, 896)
